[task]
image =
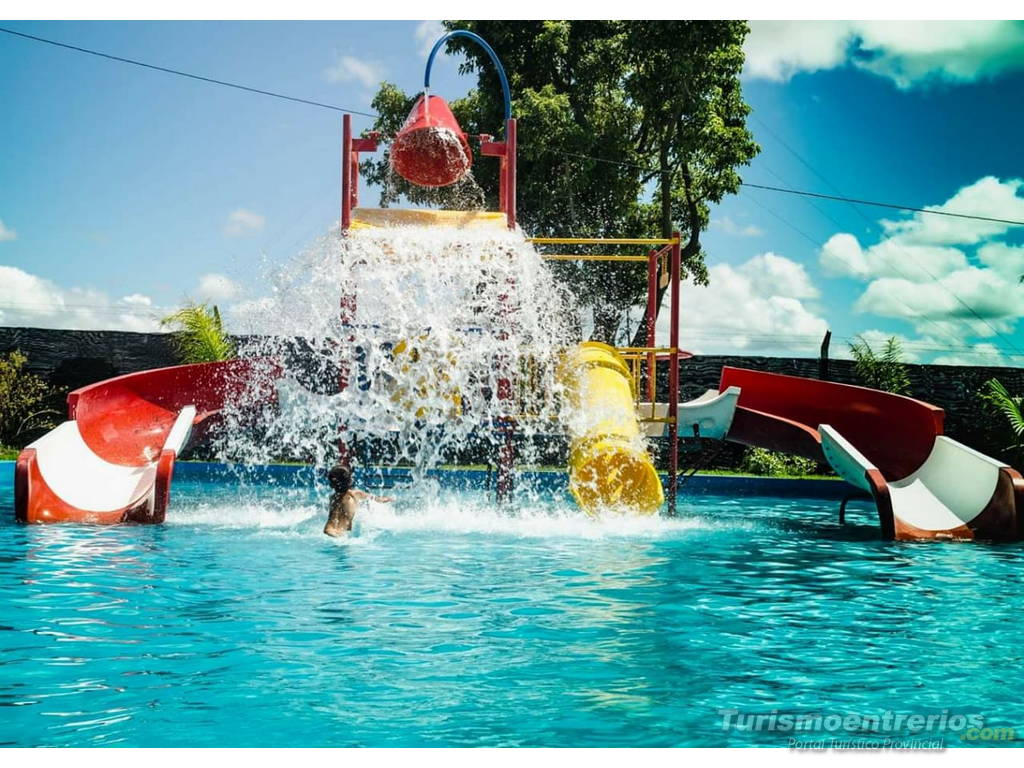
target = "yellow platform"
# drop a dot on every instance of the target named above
(363, 218)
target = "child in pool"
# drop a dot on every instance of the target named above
(345, 500)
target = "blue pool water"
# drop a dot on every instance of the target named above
(447, 622)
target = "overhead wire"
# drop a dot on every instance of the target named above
(650, 169)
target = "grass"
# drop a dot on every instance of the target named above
(737, 473)
(10, 454)
(550, 468)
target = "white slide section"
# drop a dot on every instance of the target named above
(953, 486)
(82, 479)
(711, 414)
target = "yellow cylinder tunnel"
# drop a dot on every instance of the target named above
(609, 468)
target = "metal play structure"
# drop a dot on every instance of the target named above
(113, 460)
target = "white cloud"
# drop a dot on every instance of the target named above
(928, 248)
(347, 69)
(243, 222)
(773, 275)
(951, 278)
(427, 33)
(843, 255)
(1005, 259)
(731, 227)
(31, 301)
(907, 52)
(7, 233)
(216, 287)
(982, 290)
(777, 50)
(137, 300)
(988, 197)
(756, 307)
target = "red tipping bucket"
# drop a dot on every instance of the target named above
(431, 150)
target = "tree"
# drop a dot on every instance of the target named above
(886, 371)
(608, 112)
(995, 395)
(199, 336)
(25, 406)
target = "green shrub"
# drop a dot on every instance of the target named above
(25, 402)
(759, 461)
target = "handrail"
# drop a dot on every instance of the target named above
(644, 350)
(589, 257)
(603, 240)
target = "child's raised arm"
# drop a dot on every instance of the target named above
(361, 495)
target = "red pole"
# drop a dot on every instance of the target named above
(506, 421)
(503, 181)
(673, 379)
(652, 314)
(346, 172)
(510, 172)
(347, 313)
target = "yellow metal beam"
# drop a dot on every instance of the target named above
(603, 240)
(638, 351)
(588, 257)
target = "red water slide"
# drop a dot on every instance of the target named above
(113, 460)
(925, 485)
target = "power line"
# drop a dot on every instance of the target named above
(180, 73)
(336, 108)
(895, 242)
(877, 204)
(805, 193)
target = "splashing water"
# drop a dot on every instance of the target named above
(441, 335)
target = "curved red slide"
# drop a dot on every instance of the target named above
(925, 485)
(113, 460)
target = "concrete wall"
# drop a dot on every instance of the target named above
(70, 359)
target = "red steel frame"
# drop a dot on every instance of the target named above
(506, 152)
(674, 253)
(673, 376)
(351, 147)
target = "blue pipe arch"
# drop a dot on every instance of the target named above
(490, 52)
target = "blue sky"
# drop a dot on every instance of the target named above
(122, 191)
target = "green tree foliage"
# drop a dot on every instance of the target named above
(1011, 407)
(199, 335)
(601, 107)
(760, 461)
(885, 371)
(25, 401)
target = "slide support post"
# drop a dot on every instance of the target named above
(673, 377)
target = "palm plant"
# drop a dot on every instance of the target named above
(199, 335)
(999, 399)
(885, 371)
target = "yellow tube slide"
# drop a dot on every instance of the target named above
(608, 464)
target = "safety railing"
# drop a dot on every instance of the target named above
(643, 364)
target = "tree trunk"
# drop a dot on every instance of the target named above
(665, 192)
(606, 322)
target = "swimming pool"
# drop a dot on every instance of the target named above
(447, 622)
